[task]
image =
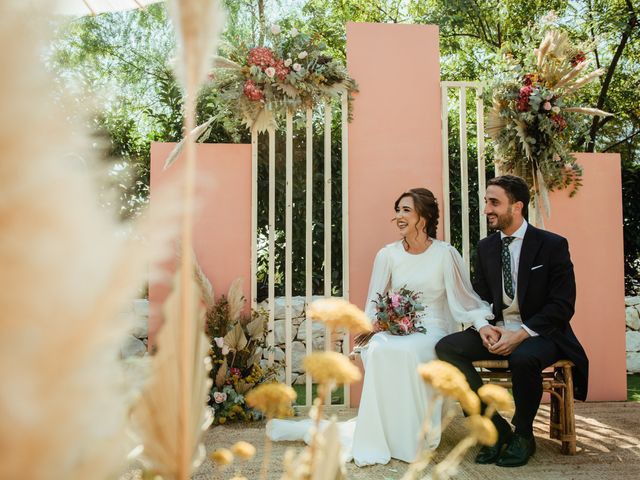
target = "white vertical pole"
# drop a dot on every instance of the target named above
(481, 162)
(327, 218)
(346, 347)
(309, 246)
(288, 280)
(464, 176)
(446, 214)
(254, 218)
(272, 239)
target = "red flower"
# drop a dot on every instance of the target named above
(560, 122)
(578, 58)
(523, 100)
(252, 91)
(528, 79)
(261, 57)
(281, 70)
(235, 372)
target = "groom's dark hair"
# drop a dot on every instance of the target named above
(515, 187)
(426, 206)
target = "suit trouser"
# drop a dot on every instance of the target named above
(526, 363)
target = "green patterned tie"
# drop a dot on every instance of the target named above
(506, 266)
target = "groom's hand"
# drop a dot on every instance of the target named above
(490, 335)
(509, 340)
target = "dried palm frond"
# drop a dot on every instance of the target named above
(573, 73)
(65, 276)
(206, 289)
(495, 123)
(172, 425)
(236, 300)
(589, 111)
(578, 84)
(156, 416)
(198, 24)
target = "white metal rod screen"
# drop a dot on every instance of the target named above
(461, 89)
(307, 117)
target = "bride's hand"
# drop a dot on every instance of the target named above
(490, 335)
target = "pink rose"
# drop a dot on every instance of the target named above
(270, 72)
(405, 324)
(395, 299)
(219, 397)
(546, 106)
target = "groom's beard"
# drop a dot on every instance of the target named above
(502, 222)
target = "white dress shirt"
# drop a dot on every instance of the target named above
(514, 250)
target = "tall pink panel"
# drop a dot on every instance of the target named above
(592, 223)
(222, 232)
(394, 139)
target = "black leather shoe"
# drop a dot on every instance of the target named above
(518, 451)
(488, 455)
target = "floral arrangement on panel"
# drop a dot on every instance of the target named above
(239, 354)
(533, 112)
(294, 72)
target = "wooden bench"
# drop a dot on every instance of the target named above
(558, 382)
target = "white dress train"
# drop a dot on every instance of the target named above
(394, 398)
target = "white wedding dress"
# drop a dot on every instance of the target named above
(394, 397)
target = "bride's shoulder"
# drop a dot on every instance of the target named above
(444, 247)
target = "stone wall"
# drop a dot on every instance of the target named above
(299, 335)
(135, 345)
(632, 305)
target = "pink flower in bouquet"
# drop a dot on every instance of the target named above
(225, 349)
(235, 372)
(219, 341)
(261, 57)
(252, 91)
(546, 106)
(395, 300)
(405, 324)
(219, 397)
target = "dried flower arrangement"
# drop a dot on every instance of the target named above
(238, 346)
(291, 73)
(534, 113)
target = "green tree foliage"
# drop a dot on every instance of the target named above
(124, 57)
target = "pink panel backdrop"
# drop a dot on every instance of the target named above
(222, 233)
(592, 222)
(394, 139)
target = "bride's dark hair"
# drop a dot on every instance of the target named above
(426, 206)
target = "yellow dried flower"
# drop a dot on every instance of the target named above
(238, 477)
(496, 396)
(444, 377)
(331, 367)
(338, 313)
(272, 399)
(243, 450)
(221, 456)
(482, 429)
(470, 402)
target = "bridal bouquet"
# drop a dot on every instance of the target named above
(396, 313)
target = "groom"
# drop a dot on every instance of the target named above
(527, 275)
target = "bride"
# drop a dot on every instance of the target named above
(394, 398)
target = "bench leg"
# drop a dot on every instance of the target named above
(569, 434)
(556, 413)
